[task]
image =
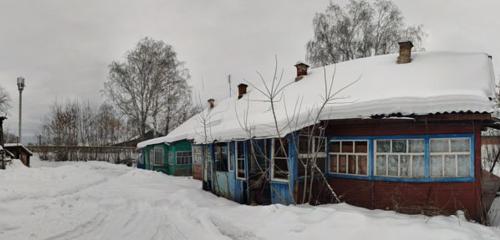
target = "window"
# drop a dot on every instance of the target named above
(240, 160)
(279, 160)
(399, 158)
(156, 157)
(183, 157)
(310, 149)
(349, 157)
(221, 157)
(197, 154)
(450, 157)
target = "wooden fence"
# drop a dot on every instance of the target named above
(113, 154)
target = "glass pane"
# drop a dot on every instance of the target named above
(333, 163)
(460, 145)
(319, 144)
(399, 146)
(240, 150)
(450, 167)
(281, 147)
(383, 146)
(392, 165)
(404, 166)
(361, 147)
(362, 165)
(280, 168)
(436, 166)
(418, 166)
(342, 164)
(463, 162)
(304, 143)
(416, 145)
(347, 147)
(381, 165)
(352, 164)
(335, 147)
(440, 145)
(321, 162)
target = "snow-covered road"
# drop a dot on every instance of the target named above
(93, 200)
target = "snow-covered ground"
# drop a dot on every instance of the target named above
(95, 200)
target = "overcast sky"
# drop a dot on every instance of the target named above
(63, 47)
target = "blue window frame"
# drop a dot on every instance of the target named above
(409, 158)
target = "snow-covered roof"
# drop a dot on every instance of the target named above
(18, 145)
(434, 82)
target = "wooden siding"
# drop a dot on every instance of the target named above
(428, 198)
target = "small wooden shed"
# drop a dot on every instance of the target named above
(20, 152)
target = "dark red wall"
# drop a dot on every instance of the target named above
(427, 198)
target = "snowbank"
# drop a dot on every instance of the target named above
(95, 200)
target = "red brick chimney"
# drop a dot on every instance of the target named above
(242, 90)
(404, 52)
(301, 70)
(211, 103)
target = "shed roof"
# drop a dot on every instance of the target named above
(434, 82)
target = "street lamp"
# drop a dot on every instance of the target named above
(20, 87)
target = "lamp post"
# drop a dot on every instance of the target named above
(20, 87)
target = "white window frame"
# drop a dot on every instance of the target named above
(449, 153)
(272, 163)
(161, 151)
(196, 154)
(238, 159)
(399, 154)
(177, 158)
(313, 154)
(337, 161)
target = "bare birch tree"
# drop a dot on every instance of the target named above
(148, 85)
(359, 29)
(4, 101)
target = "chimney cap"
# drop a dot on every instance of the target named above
(300, 63)
(211, 100)
(242, 84)
(406, 43)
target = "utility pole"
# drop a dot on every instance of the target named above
(229, 83)
(20, 87)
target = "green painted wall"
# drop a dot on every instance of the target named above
(169, 165)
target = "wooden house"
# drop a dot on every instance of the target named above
(19, 151)
(403, 133)
(173, 158)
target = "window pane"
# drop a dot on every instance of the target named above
(439, 145)
(418, 166)
(352, 164)
(347, 147)
(361, 147)
(463, 165)
(404, 166)
(449, 166)
(240, 150)
(335, 147)
(381, 165)
(281, 147)
(333, 163)
(362, 165)
(392, 165)
(399, 146)
(280, 168)
(319, 144)
(342, 164)
(304, 143)
(321, 162)
(460, 145)
(383, 146)
(436, 166)
(416, 145)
